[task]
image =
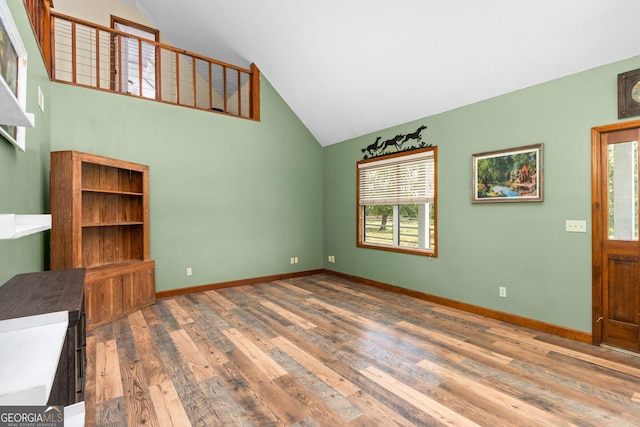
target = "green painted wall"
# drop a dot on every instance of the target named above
(547, 271)
(235, 199)
(230, 198)
(24, 176)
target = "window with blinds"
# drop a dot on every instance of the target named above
(397, 202)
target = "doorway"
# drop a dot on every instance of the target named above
(615, 243)
(134, 59)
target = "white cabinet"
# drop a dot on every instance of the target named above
(31, 348)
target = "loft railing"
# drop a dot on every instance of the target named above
(89, 55)
(39, 15)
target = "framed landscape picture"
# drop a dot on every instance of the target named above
(507, 176)
(8, 68)
(13, 81)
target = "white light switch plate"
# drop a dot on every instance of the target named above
(40, 99)
(576, 226)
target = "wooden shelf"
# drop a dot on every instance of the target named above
(126, 193)
(14, 226)
(111, 224)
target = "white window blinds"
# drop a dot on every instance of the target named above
(399, 180)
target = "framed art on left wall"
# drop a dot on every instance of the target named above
(13, 81)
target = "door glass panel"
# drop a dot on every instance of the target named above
(133, 51)
(623, 190)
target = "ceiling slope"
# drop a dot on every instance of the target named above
(352, 67)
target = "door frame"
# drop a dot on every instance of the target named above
(116, 46)
(597, 207)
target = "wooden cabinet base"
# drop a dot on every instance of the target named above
(116, 290)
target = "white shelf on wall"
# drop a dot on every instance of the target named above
(14, 226)
(11, 113)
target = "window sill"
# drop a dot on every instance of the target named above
(421, 252)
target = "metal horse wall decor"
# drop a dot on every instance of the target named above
(413, 140)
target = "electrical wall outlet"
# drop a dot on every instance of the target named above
(189, 271)
(332, 259)
(502, 291)
(293, 260)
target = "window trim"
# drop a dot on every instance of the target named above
(360, 209)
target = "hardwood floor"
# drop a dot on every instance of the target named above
(323, 351)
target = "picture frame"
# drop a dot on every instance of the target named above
(629, 94)
(13, 81)
(514, 175)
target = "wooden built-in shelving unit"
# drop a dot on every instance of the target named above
(100, 221)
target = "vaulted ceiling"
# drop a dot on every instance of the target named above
(352, 67)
